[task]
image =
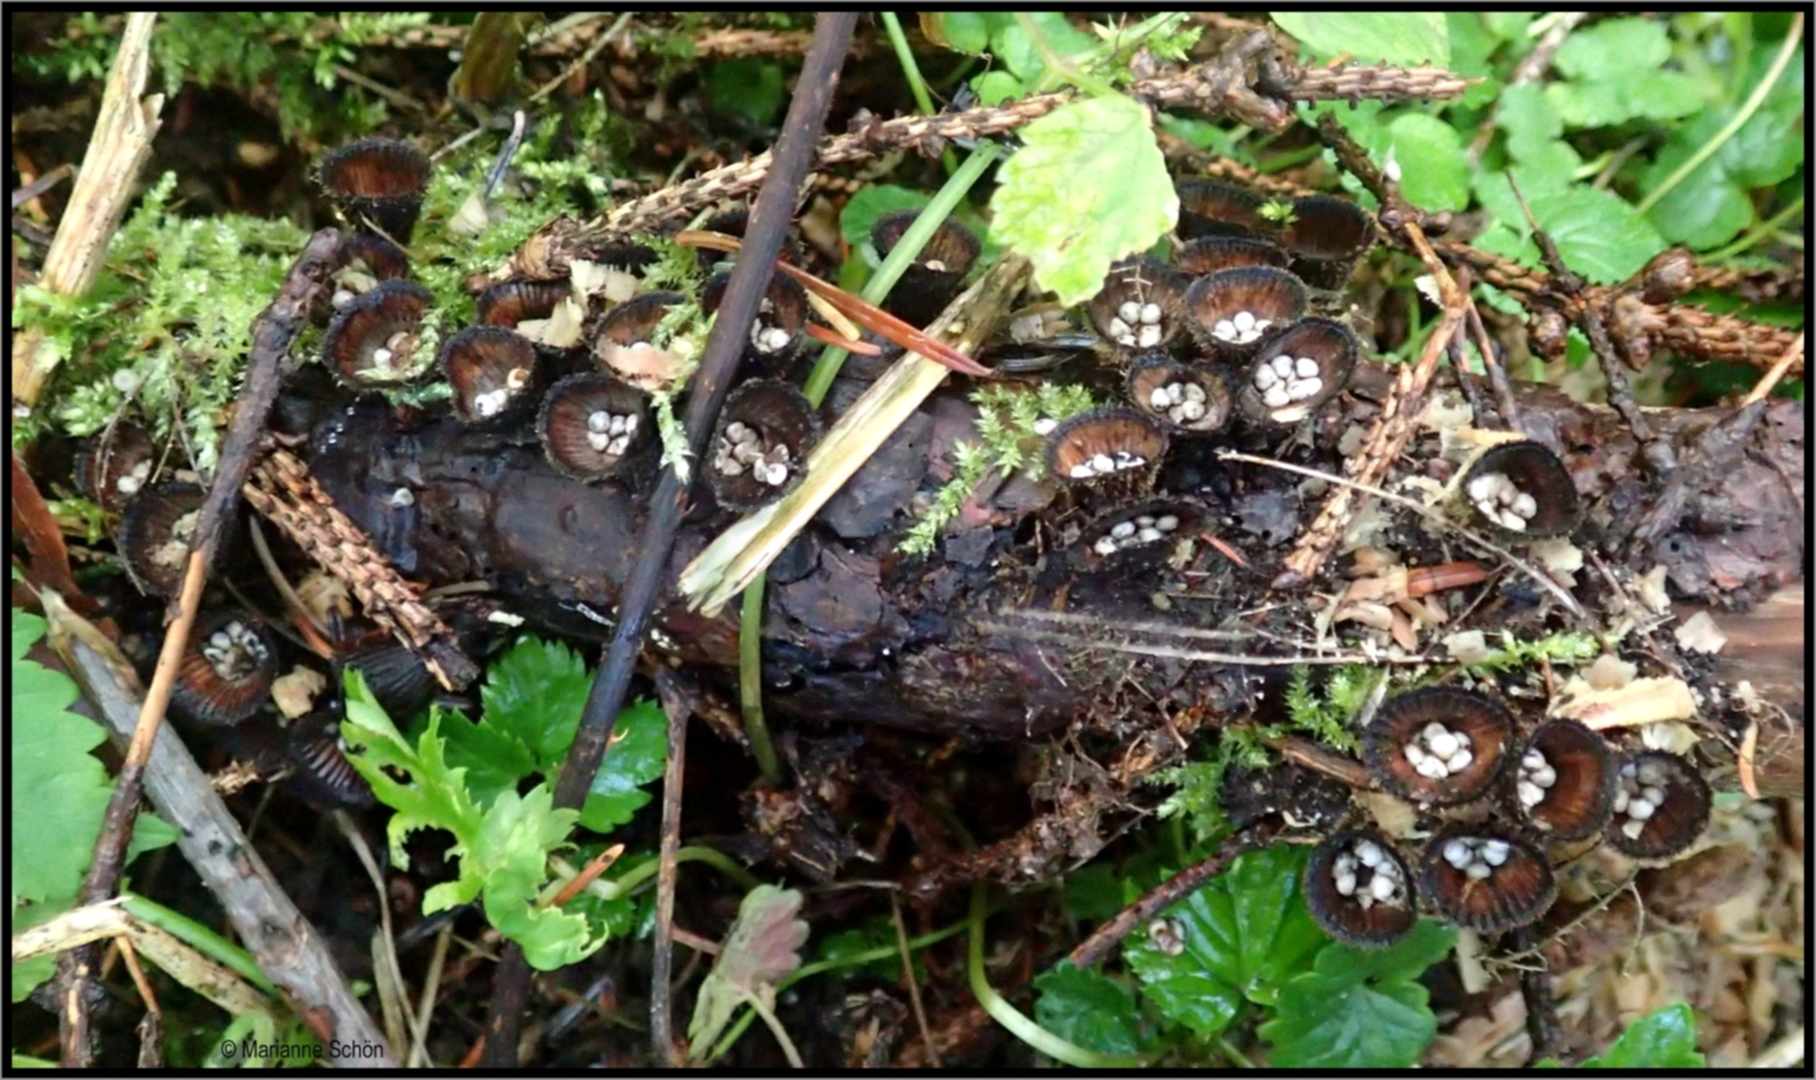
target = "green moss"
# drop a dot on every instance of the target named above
(287, 57)
(165, 329)
(1005, 421)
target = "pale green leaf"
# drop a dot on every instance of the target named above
(1088, 187)
(1409, 38)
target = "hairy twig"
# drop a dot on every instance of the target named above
(1386, 437)
(1096, 948)
(282, 489)
(1219, 86)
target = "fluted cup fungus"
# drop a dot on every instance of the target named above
(1486, 879)
(934, 277)
(1212, 208)
(1209, 254)
(781, 317)
(1438, 746)
(1139, 532)
(1138, 308)
(1360, 889)
(1232, 312)
(625, 345)
(226, 671)
(759, 451)
(156, 529)
(589, 423)
(1190, 399)
(1563, 781)
(1297, 370)
(377, 182)
(1104, 443)
(1661, 805)
(1521, 489)
(373, 340)
(1326, 238)
(116, 464)
(492, 372)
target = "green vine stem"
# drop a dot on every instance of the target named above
(880, 952)
(1012, 1018)
(199, 937)
(916, 84)
(1728, 130)
(819, 381)
(1759, 232)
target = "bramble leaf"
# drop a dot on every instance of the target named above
(1614, 74)
(1663, 1039)
(1092, 1010)
(763, 947)
(1360, 1009)
(1601, 236)
(536, 692)
(1088, 187)
(1372, 36)
(638, 751)
(60, 793)
(1246, 932)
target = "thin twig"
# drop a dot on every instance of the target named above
(1096, 948)
(661, 1018)
(1544, 580)
(273, 332)
(1771, 379)
(769, 221)
(914, 984)
(286, 947)
(585, 58)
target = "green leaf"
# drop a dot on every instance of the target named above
(764, 946)
(1370, 36)
(746, 86)
(61, 789)
(536, 692)
(637, 754)
(1664, 1039)
(1246, 932)
(1433, 173)
(1010, 42)
(1713, 204)
(861, 213)
(1360, 1009)
(494, 760)
(1601, 236)
(1090, 1009)
(969, 31)
(1613, 71)
(996, 87)
(513, 847)
(1088, 187)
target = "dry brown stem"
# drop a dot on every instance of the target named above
(283, 943)
(127, 122)
(282, 489)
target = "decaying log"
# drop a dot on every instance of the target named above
(856, 630)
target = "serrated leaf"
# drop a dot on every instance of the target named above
(764, 946)
(1713, 204)
(536, 692)
(1601, 236)
(1613, 74)
(494, 760)
(1360, 1009)
(1246, 932)
(59, 798)
(1663, 1039)
(1410, 38)
(1091, 1010)
(637, 754)
(513, 847)
(1088, 187)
